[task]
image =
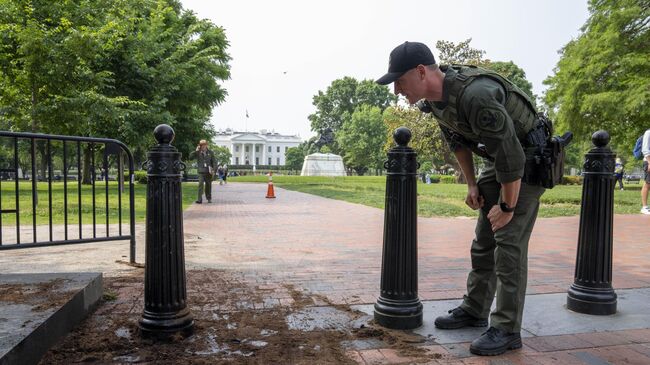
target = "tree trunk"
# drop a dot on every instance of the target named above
(87, 179)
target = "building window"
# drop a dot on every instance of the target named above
(236, 160)
(257, 160)
(246, 148)
(269, 158)
(278, 159)
(257, 148)
(286, 148)
(237, 148)
(269, 151)
(278, 149)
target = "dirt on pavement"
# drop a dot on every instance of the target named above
(229, 328)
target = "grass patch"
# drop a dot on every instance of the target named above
(8, 201)
(439, 200)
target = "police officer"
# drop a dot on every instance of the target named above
(205, 164)
(480, 111)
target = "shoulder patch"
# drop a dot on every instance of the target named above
(490, 120)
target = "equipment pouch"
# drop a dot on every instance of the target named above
(545, 155)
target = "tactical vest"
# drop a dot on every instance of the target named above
(518, 105)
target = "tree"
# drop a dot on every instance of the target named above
(336, 105)
(113, 68)
(362, 138)
(426, 140)
(463, 54)
(602, 78)
(221, 154)
(294, 158)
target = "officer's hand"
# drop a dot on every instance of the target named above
(474, 200)
(198, 148)
(499, 218)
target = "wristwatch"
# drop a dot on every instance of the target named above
(505, 208)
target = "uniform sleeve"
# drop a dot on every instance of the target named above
(482, 106)
(192, 155)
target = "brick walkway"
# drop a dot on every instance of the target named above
(333, 249)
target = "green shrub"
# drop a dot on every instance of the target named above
(571, 180)
(140, 177)
(447, 179)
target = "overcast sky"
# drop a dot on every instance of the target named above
(283, 52)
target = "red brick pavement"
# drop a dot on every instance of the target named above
(333, 249)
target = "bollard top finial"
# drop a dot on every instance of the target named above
(600, 138)
(402, 136)
(164, 134)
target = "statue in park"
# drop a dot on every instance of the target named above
(319, 164)
(325, 137)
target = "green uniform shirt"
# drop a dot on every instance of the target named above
(483, 119)
(204, 161)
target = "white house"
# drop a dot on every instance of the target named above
(256, 148)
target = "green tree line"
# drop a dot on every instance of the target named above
(111, 68)
(602, 81)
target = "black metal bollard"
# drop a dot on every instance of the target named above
(165, 292)
(398, 305)
(592, 292)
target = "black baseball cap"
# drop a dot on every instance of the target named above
(404, 57)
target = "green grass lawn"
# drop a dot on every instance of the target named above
(435, 200)
(8, 201)
(439, 200)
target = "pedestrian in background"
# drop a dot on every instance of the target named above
(205, 166)
(619, 170)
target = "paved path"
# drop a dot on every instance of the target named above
(333, 250)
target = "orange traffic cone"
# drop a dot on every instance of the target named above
(269, 191)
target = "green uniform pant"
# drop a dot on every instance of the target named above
(205, 180)
(500, 259)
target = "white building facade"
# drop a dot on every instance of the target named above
(256, 148)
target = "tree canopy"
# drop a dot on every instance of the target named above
(113, 68)
(363, 137)
(336, 105)
(602, 80)
(294, 158)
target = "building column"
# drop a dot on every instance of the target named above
(253, 154)
(243, 153)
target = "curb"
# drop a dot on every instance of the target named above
(59, 323)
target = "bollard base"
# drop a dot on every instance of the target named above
(398, 314)
(163, 326)
(596, 301)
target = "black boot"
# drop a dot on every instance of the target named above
(458, 318)
(495, 341)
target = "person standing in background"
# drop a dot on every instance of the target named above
(205, 165)
(619, 170)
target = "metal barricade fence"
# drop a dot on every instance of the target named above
(12, 151)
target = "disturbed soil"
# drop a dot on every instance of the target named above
(40, 296)
(235, 321)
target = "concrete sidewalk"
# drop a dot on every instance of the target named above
(332, 250)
